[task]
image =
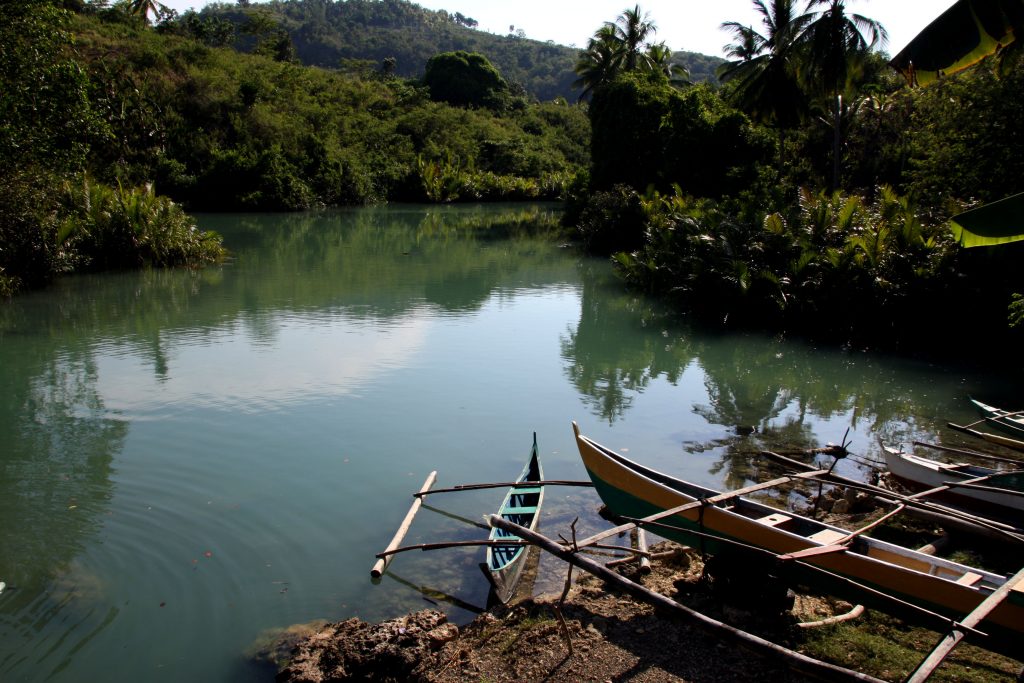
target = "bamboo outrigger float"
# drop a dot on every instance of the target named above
(846, 563)
(506, 555)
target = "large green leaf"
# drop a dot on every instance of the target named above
(996, 223)
(963, 35)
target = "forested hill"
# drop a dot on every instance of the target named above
(330, 33)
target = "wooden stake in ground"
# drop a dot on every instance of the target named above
(793, 660)
(381, 565)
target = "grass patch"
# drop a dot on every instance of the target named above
(888, 648)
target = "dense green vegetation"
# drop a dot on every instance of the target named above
(112, 101)
(404, 36)
(53, 217)
(812, 191)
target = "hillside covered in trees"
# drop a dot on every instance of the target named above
(106, 118)
(332, 34)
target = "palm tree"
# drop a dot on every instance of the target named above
(143, 8)
(623, 45)
(837, 43)
(659, 58)
(764, 68)
(600, 62)
(632, 28)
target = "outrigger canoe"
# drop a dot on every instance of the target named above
(1002, 490)
(632, 491)
(1010, 422)
(504, 564)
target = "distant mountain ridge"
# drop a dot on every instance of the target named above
(327, 33)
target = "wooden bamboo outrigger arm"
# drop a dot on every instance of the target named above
(993, 438)
(381, 565)
(503, 485)
(971, 484)
(970, 453)
(1001, 415)
(934, 616)
(934, 511)
(927, 667)
(794, 660)
(696, 504)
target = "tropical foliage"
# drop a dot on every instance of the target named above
(90, 132)
(326, 34)
(963, 35)
(624, 46)
(838, 225)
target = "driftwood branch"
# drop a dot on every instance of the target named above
(794, 660)
(839, 618)
(565, 592)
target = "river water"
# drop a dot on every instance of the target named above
(191, 459)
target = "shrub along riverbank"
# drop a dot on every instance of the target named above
(792, 199)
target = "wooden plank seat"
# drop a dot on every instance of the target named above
(827, 536)
(775, 519)
(969, 579)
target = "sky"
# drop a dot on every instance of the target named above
(690, 25)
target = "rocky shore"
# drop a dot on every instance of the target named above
(603, 636)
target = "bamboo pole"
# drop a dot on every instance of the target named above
(953, 638)
(654, 556)
(839, 578)
(991, 438)
(841, 543)
(981, 487)
(440, 545)
(696, 504)
(929, 511)
(794, 660)
(381, 565)
(504, 485)
(970, 453)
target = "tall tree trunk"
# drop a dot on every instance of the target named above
(836, 139)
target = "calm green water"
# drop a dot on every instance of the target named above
(192, 458)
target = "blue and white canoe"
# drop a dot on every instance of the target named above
(504, 564)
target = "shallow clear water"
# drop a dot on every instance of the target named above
(192, 458)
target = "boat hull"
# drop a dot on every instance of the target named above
(630, 490)
(922, 473)
(1009, 423)
(504, 565)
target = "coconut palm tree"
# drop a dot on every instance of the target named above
(764, 67)
(632, 29)
(836, 44)
(623, 45)
(143, 8)
(659, 58)
(600, 62)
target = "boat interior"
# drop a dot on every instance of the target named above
(822, 533)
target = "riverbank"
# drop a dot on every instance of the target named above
(615, 638)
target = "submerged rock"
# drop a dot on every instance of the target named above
(355, 650)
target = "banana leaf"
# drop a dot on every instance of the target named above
(996, 223)
(961, 36)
